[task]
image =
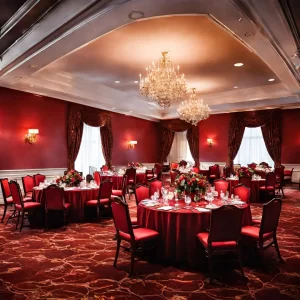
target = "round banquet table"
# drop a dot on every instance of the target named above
(254, 190)
(178, 229)
(117, 179)
(76, 196)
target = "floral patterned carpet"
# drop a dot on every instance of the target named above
(76, 263)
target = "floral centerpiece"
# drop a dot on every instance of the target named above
(135, 164)
(244, 172)
(182, 163)
(191, 183)
(72, 178)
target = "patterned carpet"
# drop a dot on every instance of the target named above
(77, 264)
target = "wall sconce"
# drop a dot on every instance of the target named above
(131, 144)
(30, 137)
(210, 142)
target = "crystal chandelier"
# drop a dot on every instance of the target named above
(193, 110)
(163, 84)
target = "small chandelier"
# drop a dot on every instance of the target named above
(163, 84)
(193, 110)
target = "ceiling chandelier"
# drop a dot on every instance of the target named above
(163, 84)
(193, 110)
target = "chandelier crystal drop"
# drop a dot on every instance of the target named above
(163, 84)
(193, 110)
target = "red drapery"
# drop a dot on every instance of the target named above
(79, 114)
(269, 120)
(169, 127)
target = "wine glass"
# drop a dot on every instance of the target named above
(176, 198)
(187, 201)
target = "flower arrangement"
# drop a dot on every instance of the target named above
(72, 178)
(244, 172)
(191, 183)
(182, 163)
(135, 164)
(264, 165)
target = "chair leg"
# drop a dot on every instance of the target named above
(5, 208)
(210, 265)
(22, 221)
(11, 216)
(98, 212)
(133, 248)
(18, 220)
(261, 251)
(282, 192)
(46, 220)
(117, 251)
(238, 253)
(65, 219)
(277, 249)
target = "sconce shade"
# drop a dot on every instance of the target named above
(210, 142)
(133, 142)
(33, 131)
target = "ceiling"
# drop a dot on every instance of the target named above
(78, 51)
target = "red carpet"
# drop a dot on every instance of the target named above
(77, 264)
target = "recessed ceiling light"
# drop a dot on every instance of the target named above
(136, 81)
(117, 81)
(271, 79)
(31, 85)
(248, 34)
(135, 15)
(33, 66)
(238, 64)
(18, 77)
(130, 111)
(113, 108)
(235, 87)
(240, 19)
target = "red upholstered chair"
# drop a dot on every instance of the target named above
(288, 174)
(226, 171)
(6, 195)
(174, 166)
(28, 185)
(224, 234)
(22, 207)
(246, 180)
(213, 173)
(104, 168)
(173, 175)
(120, 193)
(221, 185)
(252, 165)
(38, 178)
(269, 188)
(279, 172)
(268, 227)
(124, 230)
(154, 186)
(150, 174)
(195, 169)
(104, 197)
(97, 178)
(54, 200)
(131, 179)
(142, 192)
(158, 170)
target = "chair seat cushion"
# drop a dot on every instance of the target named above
(134, 220)
(105, 201)
(29, 206)
(268, 188)
(203, 238)
(27, 199)
(253, 231)
(256, 221)
(28, 194)
(95, 202)
(140, 234)
(9, 200)
(212, 176)
(117, 193)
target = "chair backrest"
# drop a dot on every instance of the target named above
(246, 180)
(214, 170)
(221, 185)
(252, 165)
(5, 188)
(104, 168)
(154, 185)
(54, 197)
(28, 183)
(271, 179)
(174, 166)
(270, 216)
(16, 193)
(226, 171)
(131, 174)
(158, 170)
(105, 189)
(195, 169)
(89, 178)
(92, 169)
(173, 175)
(288, 172)
(279, 172)
(263, 163)
(66, 172)
(142, 192)
(38, 178)
(124, 187)
(225, 224)
(121, 216)
(97, 177)
(243, 192)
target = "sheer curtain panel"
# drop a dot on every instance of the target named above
(180, 148)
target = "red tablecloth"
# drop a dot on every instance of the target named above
(254, 190)
(178, 230)
(117, 179)
(77, 197)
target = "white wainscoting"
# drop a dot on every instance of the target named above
(18, 174)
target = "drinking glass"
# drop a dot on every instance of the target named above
(187, 201)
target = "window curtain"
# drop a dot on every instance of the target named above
(180, 149)
(79, 114)
(253, 148)
(90, 152)
(269, 120)
(169, 127)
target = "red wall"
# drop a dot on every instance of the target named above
(290, 136)
(125, 129)
(20, 111)
(216, 128)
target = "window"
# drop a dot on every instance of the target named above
(180, 149)
(90, 152)
(253, 148)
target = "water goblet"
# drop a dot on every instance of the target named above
(187, 201)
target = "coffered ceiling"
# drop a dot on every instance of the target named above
(92, 53)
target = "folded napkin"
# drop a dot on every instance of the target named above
(237, 202)
(202, 209)
(150, 204)
(85, 188)
(165, 207)
(147, 200)
(212, 206)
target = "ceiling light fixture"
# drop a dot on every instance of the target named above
(238, 64)
(235, 87)
(193, 110)
(117, 81)
(163, 84)
(271, 79)
(136, 81)
(135, 15)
